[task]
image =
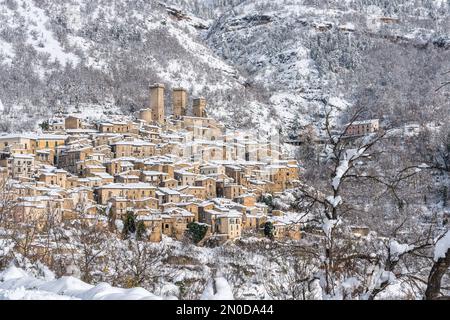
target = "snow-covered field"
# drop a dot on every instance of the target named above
(17, 284)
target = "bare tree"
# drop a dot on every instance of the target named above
(8, 200)
(134, 263)
(91, 243)
(332, 205)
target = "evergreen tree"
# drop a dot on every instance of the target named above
(445, 196)
(268, 230)
(140, 230)
(197, 231)
(44, 125)
(268, 200)
(129, 225)
(294, 126)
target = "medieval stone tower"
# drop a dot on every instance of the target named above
(146, 115)
(157, 102)
(179, 100)
(199, 105)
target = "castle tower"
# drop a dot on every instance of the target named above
(179, 100)
(146, 115)
(157, 102)
(199, 107)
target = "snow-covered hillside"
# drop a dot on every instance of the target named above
(64, 56)
(261, 64)
(308, 53)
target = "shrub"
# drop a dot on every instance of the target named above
(268, 230)
(197, 231)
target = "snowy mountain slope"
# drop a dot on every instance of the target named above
(63, 56)
(261, 64)
(308, 51)
(16, 284)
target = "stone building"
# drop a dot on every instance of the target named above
(199, 106)
(133, 148)
(21, 165)
(131, 191)
(359, 128)
(157, 102)
(146, 115)
(179, 97)
(72, 122)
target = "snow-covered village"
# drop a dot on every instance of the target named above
(224, 150)
(158, 173)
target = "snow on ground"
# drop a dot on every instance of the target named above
(217, 289)
(339, 103)
(397, 290)
(7, 51)
(16, 284)
(93, 112)
(40, 37)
